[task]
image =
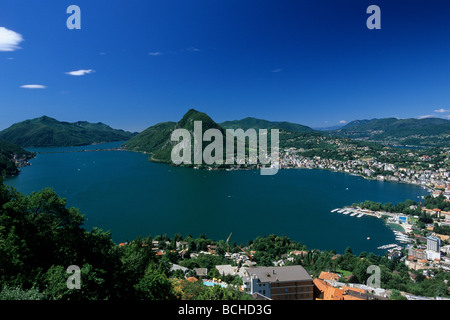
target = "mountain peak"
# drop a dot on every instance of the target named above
(45, 118)
(187, 122)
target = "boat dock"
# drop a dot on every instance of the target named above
(389, 246)
(400, 237)
(351, 211)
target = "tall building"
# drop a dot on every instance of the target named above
(279, 283)
(434, 243)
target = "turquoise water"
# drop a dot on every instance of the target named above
(123, 192)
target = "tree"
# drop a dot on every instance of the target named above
(17, 293)
(396, 295)
(154, 286)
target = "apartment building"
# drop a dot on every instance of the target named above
(279, 283)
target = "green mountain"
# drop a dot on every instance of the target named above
(156, 139)
(421, 132)
(48, 132)
(257, 124)
(12, 157)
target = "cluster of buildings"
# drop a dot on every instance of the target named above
(20, 160)
(429, 254)
(368, 167)
(423, 252)
(295, 283)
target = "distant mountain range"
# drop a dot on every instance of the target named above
(419, 132)
(156, 140)
(48, 132)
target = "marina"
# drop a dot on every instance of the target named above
(352, 212)
(401, 237)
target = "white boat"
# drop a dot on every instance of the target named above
(346, 212)
(334, 210)
(360, 215)
(340, 211)
(353, 214)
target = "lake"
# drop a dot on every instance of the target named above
(124, 193)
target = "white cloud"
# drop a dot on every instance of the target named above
(442, 110)
(33, 86)
(277, 70)
(426, 116)
(342, 121)
(192, 49)
(9, 40)
(156, 53)
(80, 72)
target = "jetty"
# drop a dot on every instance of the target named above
(388, 246)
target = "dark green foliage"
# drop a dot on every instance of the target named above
(48, 132)
(40, 238)
(428, 131)
(152, 138)
(8, 151)
(253, 123)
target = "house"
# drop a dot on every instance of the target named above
(417, 253)
(212, 249)
(175, 267)
(394, 255)
(228, 269)
(325, 291)
(433, 212)
(279, 283)
(298, 253)
(329, 276)
(201, 272)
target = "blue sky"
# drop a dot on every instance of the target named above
(309, 62)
